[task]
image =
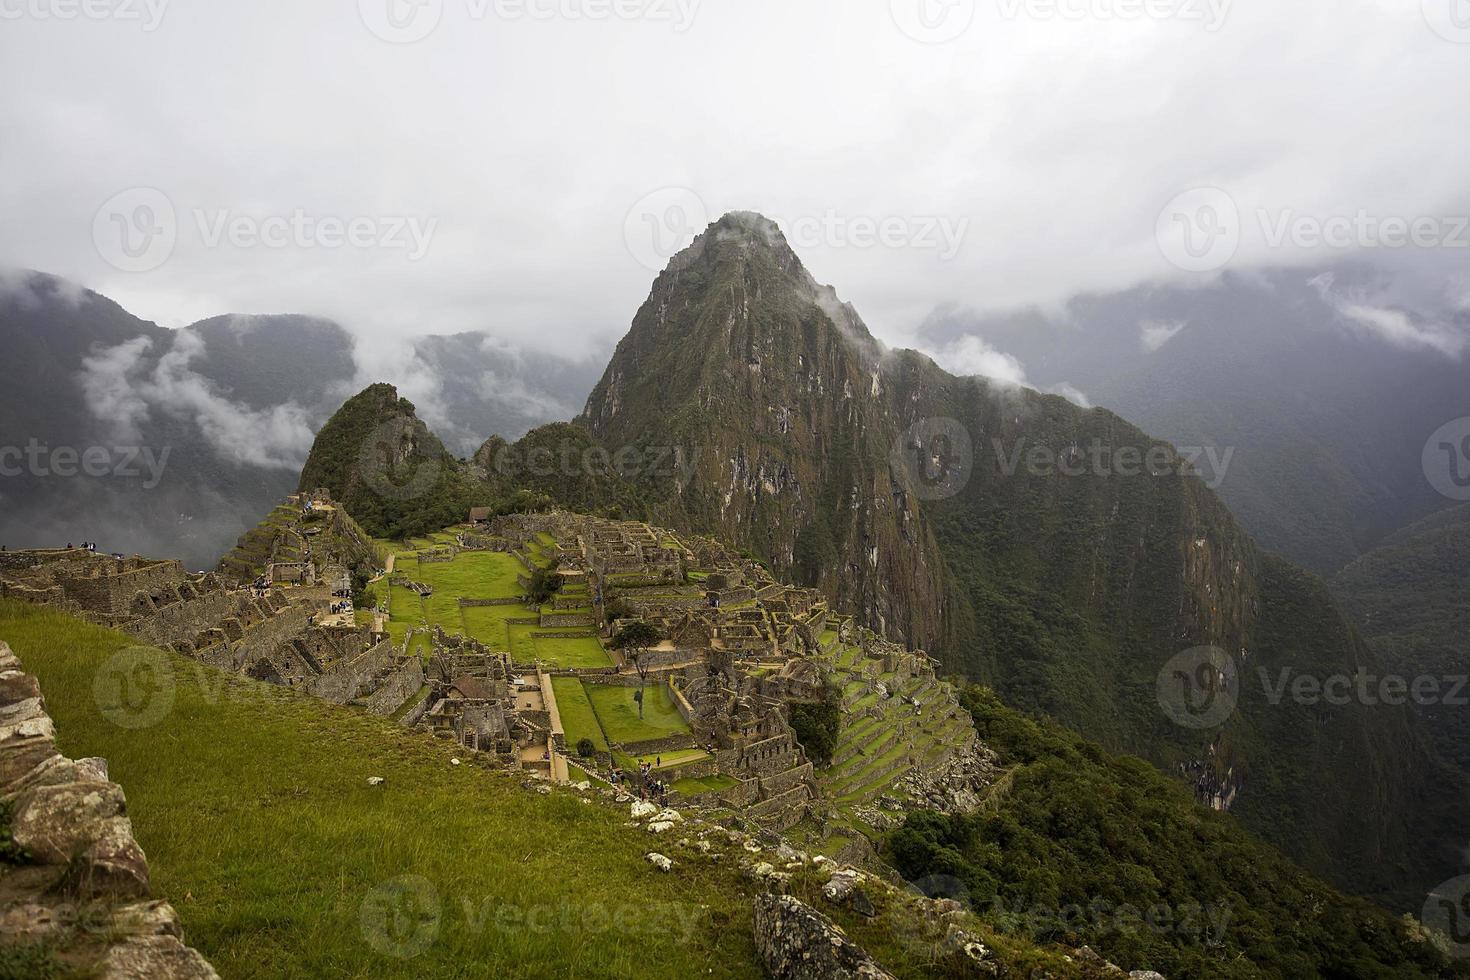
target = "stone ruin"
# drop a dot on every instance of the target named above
(85, 891)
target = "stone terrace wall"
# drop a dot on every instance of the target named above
(85, 867)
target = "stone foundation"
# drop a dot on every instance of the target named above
(83, 866)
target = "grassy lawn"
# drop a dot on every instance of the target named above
(578, 719)
(708, 784)
(575, 651)
(474, 575)
(618, 713)
(489, 625)
(669, 760)
(253, 806)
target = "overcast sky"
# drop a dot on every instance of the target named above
(521, 166)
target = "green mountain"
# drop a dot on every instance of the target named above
(1324, 408)
(385, 466)
(764, 396)
(1411, 596)
(1055, 553)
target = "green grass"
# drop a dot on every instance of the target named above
(707, 784)
(252, 804)
(618, 713)
(570, 651)
(578, 719)
(489, 625)
(671, 760)
(473, 574)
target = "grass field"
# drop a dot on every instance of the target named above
(670, 760)
(481, 575)
(578, 719)
(563, 651)
(618, 713)
(708, 784)
(253, 806)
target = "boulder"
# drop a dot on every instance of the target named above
(659, 861)
(55, 823)
(96, 766)
(21, 757)
(796, 942)
(154, 958)
(839, 887)
(16, 686)
(112, 865)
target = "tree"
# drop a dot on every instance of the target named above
(635, 640)
(545, 583)
(817, 726)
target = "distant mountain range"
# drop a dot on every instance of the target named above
(994, 526)
(196, 433)
(1322, 385)
(748, 402)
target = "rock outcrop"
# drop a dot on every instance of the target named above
(796, 942)
(73, 878)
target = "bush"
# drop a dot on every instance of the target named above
(817, 727)
(586, 748)
(545, 583)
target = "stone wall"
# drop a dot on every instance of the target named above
(402, 684)
(85, 891)
(354, 678)
(113, 594)
(184, 620)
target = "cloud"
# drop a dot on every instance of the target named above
(125, 388)
(1070, 392)
(1104, 121)
(1153, 334)
(23, 288)
(1366, 313)
(970, 356)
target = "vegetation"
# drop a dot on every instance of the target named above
(578, 719)
(394, 475)
(11, 853)
(1412, 596)
(1077, 846)
(635, 640)
(545, 583)
(628, 721)
(818, 725)
(211, 786)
